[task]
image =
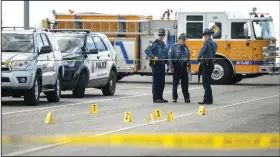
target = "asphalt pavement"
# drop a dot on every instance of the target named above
(249, 106)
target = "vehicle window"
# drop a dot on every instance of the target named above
(70, 43)
(240, 30)
(90, 44)
(14, 42)
(45, 40)
(194, 30)
(99, 44)
(53, 41)
(264, 29)
(217, 28)
(39, 42)
(194, 18)
(107, 43)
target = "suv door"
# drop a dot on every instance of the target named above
(50, 57)
(103, 56)
(91, 59)
(57, 54)
(42, 60)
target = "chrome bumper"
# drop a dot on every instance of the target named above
(269, 69)
(10, 80)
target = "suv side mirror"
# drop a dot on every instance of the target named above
(93, 51)
(83, 48)
(46, 49)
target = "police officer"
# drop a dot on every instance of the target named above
(179, 64)
(157, 51)
(206, 58)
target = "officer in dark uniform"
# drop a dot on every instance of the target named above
(206, 58)
(157, 50)
(179, 64)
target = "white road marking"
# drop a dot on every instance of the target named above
(143, 87)
(102, 100)
(132, 127)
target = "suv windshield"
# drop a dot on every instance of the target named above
(14, 42)
(70, 43)
(264, 30)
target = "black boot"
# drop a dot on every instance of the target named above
(157, 101)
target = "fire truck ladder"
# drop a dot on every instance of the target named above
(141, 27)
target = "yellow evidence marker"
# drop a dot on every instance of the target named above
(201, 110)
(157, 114)
(150, 118)
(93, 109)
(170, 117)
(49, 119)
(127, 117)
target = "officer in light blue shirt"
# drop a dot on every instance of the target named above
(206, 58)
(179, 64)
(157, 51)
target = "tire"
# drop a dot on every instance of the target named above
(54, 96)
(110, 88)
(79, 91)
(222, 73)
(236, 78)
(32, 97)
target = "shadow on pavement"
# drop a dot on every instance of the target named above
(90, 96)
(19, 103)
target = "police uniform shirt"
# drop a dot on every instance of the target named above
(207, 49)
(157, 49)
(180, 53)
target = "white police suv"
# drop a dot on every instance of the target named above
(31, 64)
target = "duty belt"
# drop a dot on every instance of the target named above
(181, 64)
(160, 62)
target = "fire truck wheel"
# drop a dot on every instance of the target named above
(236, 78)
(222, 73)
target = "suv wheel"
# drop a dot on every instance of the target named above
(109, 89)
(54, 96)
(32, 97)
(79, 91)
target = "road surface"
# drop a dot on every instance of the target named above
(249, 106)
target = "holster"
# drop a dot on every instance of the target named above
(153, 62)
(206, 62)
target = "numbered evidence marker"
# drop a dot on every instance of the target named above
(127, 117)
(201, 110)
(93, 109)
(170, 117)
(49, 119)
(157, 114)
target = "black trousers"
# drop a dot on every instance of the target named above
(206, 78)
(158, 71)
(180, 73)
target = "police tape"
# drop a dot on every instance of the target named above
(8, 63)
(161, 140)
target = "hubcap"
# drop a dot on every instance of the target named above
(111, 82)
(218, 72)
(36, 88)
(58, 86)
